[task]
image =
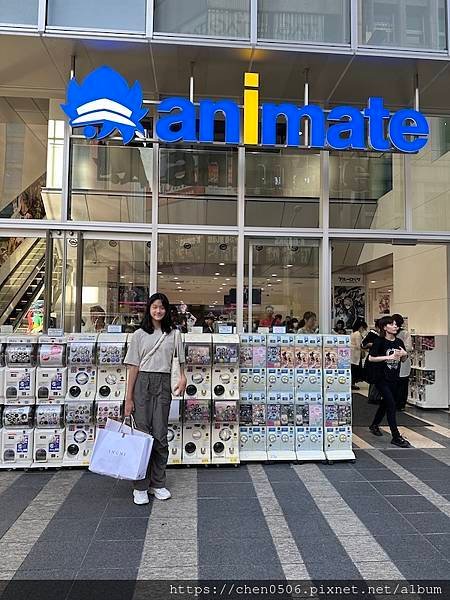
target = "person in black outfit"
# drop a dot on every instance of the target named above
(385, 356)
(208, 325)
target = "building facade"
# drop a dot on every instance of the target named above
(235, 229)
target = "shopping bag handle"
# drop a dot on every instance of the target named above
(132, 423)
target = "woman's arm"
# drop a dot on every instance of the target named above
(181, 385)
(129, 402)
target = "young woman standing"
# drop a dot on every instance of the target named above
(386, 355)
(149, 358)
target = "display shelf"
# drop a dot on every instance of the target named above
(428, 383)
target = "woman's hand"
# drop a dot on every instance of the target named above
(129, 407)
(181, 385)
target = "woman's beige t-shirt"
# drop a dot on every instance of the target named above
(161, 360)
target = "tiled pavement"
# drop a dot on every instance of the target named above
(387, 516)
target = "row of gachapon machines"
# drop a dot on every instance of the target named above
(53, 434)
(274, 426)
(51, 370)
(294, 362)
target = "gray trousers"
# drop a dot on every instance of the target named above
(152, 397)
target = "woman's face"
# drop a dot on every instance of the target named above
(157, 310)
(311, 323)
(391, 328)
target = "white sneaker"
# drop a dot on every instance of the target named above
(160, 493)
(140, 497)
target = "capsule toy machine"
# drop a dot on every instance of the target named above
(280, 421)
(111, 377)
(17, 435)
(2, 370)
(280, 363)
(80, 432)
(309, 425)
(82, 371)
(252, 426)
(225, 432)
(198, 356)
(20, 370)
(49, 434)
(196, 432)
(225, 380)
(252, 366)
(308, 363)
(51, 372)
(175, 433)
(337, 398)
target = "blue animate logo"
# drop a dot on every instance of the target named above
(103, 103)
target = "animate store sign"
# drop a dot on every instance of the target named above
(104, 102)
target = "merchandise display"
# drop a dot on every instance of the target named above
(82, 374)
(20, 370)
(254, 397)
(51, 372)
(49, 434)
(428, 382)
(2, 369)
(196, 431)
(337, 398)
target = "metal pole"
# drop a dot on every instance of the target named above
(325, 247)
(48, 279)
(155, 211)
(79, 281)
(240, 242)
(67, 168)
(416, 92)
(250, 287)
(306, 101)
(191, 83)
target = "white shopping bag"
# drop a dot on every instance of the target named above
(121, 451)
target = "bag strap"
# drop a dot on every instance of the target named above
(155, 347)
(175, 345)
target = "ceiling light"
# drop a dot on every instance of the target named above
(221, 264)
(373, 281)
(274, 275)
(287, 266)
(122, 277)
(216, 273)
(269, 285)
(175, 278)
(227, 279)
(214, 277)
(278, 279)
(130, 282)
(159, 272)
(389, 290)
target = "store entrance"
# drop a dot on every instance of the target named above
(370, 280)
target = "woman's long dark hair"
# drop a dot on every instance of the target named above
(166, 323)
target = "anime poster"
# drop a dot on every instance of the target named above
(349, 300)
(383, 302)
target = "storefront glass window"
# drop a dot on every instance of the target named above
(20, 12)
(198, 274)
(430, 180)
(22, 279)
(106, 15)
(111, 182)
(198, 186)
(285, 282)
(367, 190)
(31, 155)
(116, 279)
(304, 21)
(216, 18)
(282, 189)
(417, 24)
